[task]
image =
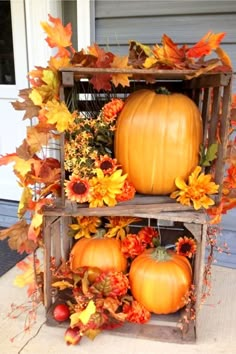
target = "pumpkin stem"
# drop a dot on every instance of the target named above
(100, 233)
(163, 90)
(161, 254)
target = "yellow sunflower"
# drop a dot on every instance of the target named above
(85, 226)
(77, 189)
(196, 191)
(104, 188)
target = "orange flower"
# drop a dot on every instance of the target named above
(111, 109)
(136, 312)
(131, 246)
(110, 284)
(106, 164)
(230, 179)
(186, 246)
(147, 234)
(127, 193)
(77, 189)
(196, 191)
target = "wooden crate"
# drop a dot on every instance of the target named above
(171, 224)
(211, 92)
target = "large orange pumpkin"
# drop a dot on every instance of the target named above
(102, 253)
(160, 280)
(157, 139)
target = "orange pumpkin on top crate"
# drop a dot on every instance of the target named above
(157, 139)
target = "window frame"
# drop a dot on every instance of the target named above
(19, 51)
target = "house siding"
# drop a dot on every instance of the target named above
(118, 22)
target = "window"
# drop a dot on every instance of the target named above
(7, 68)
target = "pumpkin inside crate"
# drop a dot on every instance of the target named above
(59, 245)
(210, 92)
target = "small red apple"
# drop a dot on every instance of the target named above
(72, 336)
(61, 312)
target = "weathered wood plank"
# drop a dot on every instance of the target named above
(47, 260)
(224, 129)
(164, 328)
(163, 211)
(206, 80)
(140, 8)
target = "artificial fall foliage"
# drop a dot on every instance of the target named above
(39, 176)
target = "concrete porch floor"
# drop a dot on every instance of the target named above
(216, 332)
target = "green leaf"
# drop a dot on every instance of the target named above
(208, 156)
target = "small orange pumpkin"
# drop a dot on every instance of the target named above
(102, 253)
(157, 139)
(160, 280)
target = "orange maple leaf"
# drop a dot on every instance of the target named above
(8, 158)
(37, 138)
(207, 43)
(169, 54)
(58, 35)
(17, 235)
(121, 63)
(35, 76)
(59, 62)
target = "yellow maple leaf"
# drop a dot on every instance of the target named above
(62, 285)
(22, 166)
(58, 114)
(224, 57)
(26, 196)
(27, 278)
(37, 220)
(36, 97)
(120, 79)
(50, 78)
(48, 90)
(83, 316)
(149, 62)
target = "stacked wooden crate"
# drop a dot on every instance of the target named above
(211, 92)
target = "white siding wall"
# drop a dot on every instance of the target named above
(185, 21)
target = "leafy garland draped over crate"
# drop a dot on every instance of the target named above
(39, 175)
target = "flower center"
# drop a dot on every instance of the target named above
(105, 165)
(79, 188)
(185, 248)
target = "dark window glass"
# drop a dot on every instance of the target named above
(7, 69)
